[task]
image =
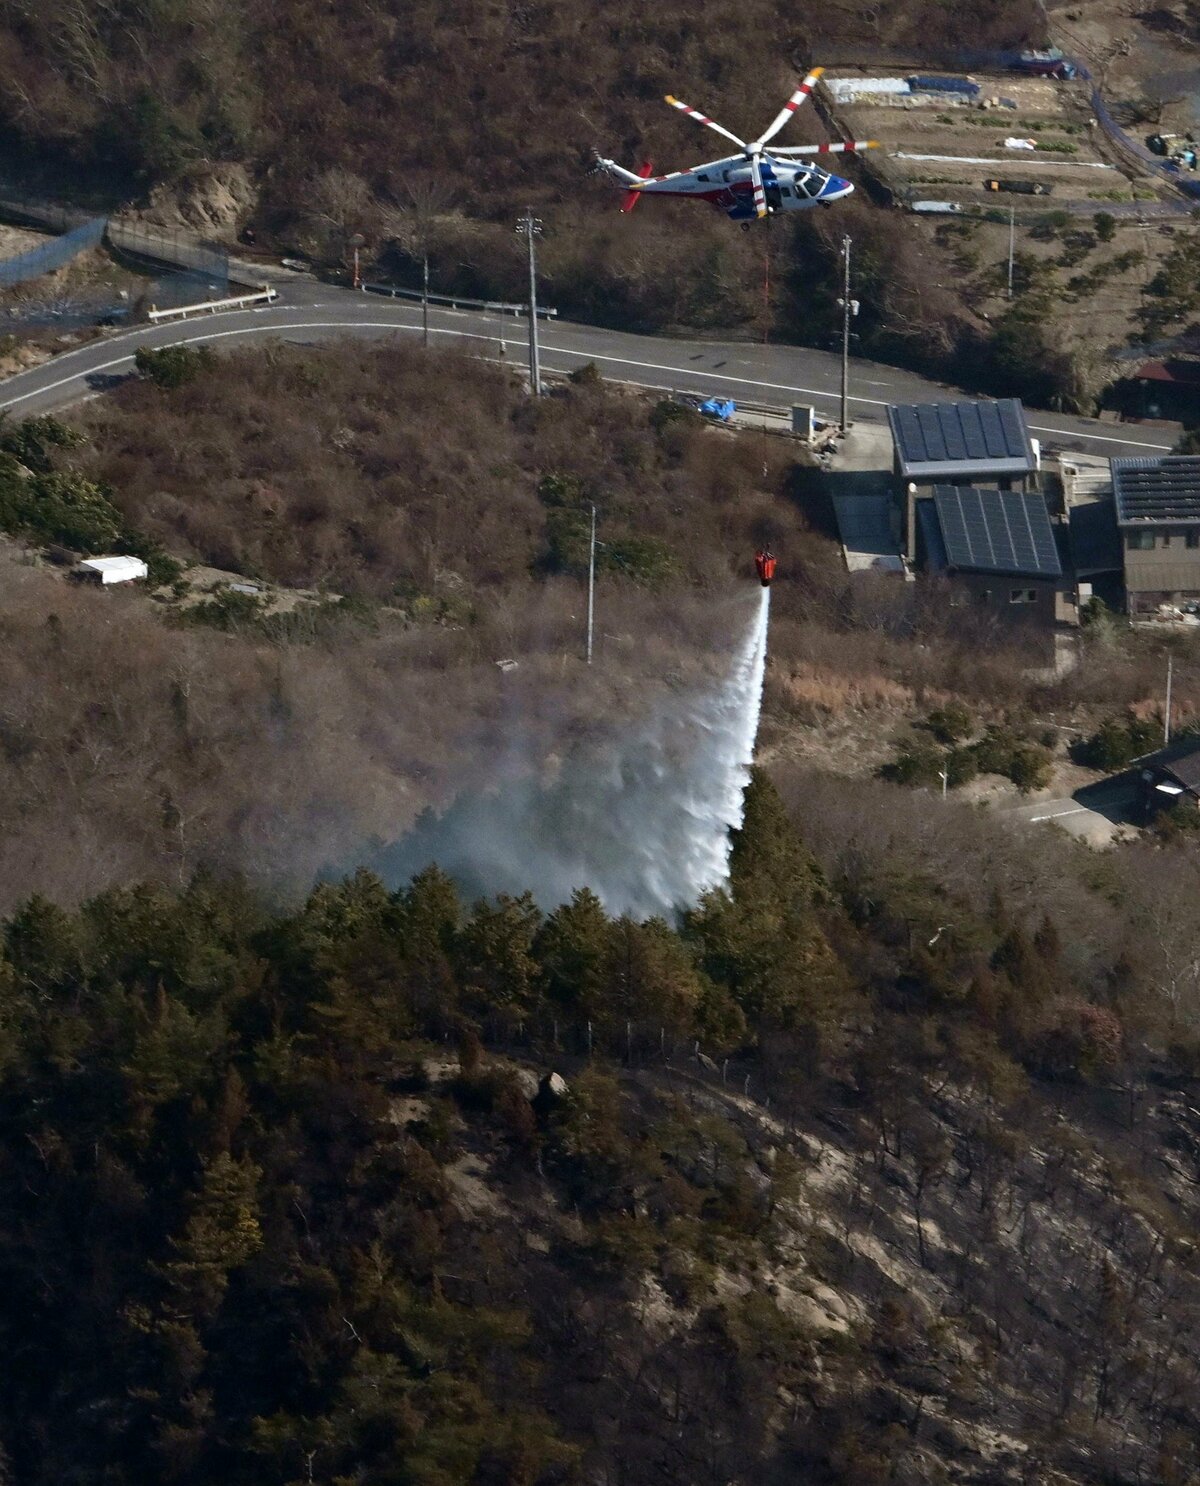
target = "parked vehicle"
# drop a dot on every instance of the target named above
(1049, 63)
(960, 85)
(1021, 188)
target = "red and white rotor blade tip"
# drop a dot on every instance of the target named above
(794, 102)
(694, 113)
(760, 196)
(843, 147)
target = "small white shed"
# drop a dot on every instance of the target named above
(113, 569)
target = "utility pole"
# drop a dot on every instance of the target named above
(591, 586)
(425, 299)
(1167, 711)
(357, 243)
(849, 307)
(1012, 239)
(531, 229)
(944, 776)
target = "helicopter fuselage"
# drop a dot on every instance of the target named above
(728, 186)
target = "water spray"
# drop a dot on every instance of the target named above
(645, 824)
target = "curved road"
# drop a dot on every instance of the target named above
(774, 375)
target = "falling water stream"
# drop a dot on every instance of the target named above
(645, 825)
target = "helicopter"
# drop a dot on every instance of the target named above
(755, 184)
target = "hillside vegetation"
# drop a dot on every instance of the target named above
(441, 521)
(427, 127)
(283, 1200)
(389, 473)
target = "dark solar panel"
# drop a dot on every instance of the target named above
(951, 424)
(932, 438)
(997, 531)
(960, 432)
(1150, 490)
(975, 430)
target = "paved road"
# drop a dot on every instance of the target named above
(1093, 814)
(778, 375)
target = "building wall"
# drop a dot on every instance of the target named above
(1042, 600)
(1169, 567)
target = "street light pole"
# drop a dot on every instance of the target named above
(1012, 238)
(591, 586)
(1167, 711)
(846, 312)
(425, 299)
(530, 228)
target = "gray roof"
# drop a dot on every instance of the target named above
(996, 531)
(1186, 769)
(964, 438)
(1157, 490)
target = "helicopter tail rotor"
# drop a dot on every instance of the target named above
(633, 196)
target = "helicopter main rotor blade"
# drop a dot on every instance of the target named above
(760, 196)
(789, 108)
(694, 113)
(846, 147)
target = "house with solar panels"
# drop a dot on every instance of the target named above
(998, 549)
(1158, 517)
(941, 444)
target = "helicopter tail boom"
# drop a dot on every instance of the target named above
(631, 197)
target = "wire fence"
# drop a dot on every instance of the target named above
(51, 255)
(200, 260)
(203, 268)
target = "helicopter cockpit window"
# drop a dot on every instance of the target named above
(701, 177)
(785, 190)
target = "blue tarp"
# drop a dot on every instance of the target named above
(718, 407)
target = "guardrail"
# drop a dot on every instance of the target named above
(458, 302)
(265, 295)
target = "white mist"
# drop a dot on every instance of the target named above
(644, 823)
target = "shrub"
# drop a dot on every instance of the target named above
(1001, 751)
(667, 412)
(1117, 742)
(1178, 821)
(646, 560)
(1077, 1041)
(173, 366)
(557, 490)
(961, 767)
(585, 376)
(226, 610)
(30, 441)
(63, 508)
(916, 764)
(1028, 767)
(951, 723)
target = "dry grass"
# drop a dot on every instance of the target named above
(130, 749)
(386, 471)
